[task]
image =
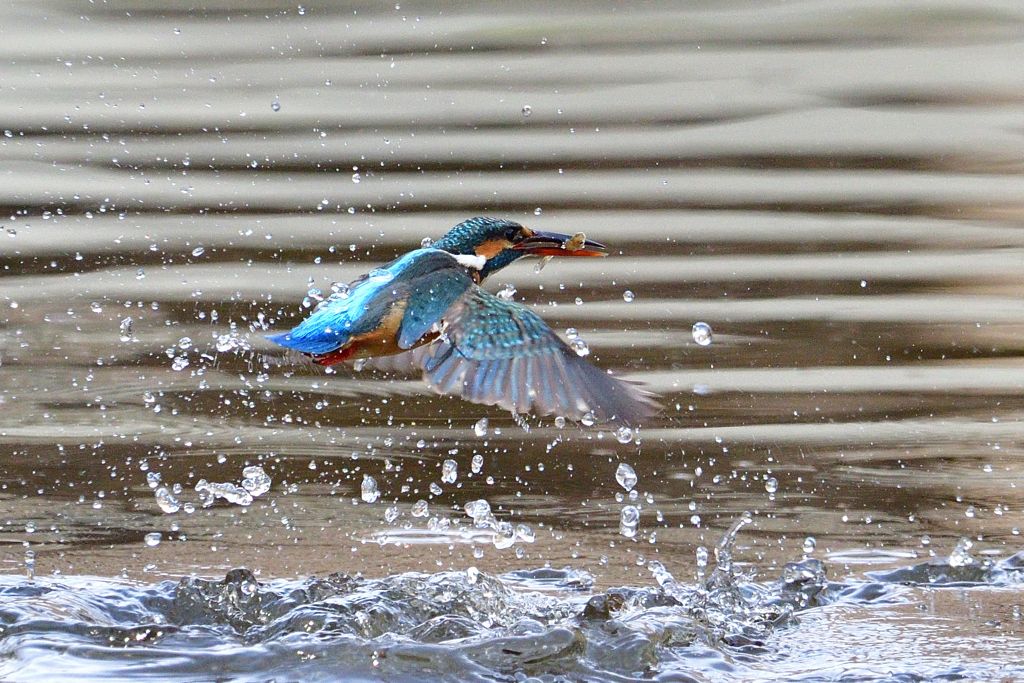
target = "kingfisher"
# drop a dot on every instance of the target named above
(426, 311)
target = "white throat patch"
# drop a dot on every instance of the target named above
(474, 262)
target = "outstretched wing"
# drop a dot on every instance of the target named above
(497, 352)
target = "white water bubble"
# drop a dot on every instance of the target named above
(420, 509)
(140, 274)
(627, 296)
(275, 105)
(809, 544)
(179, 364)
(435, 488)
(368, 490)
(226, 490)
(624, 434)
(626, 477)
(560, 422)
(525, 533)
(478, 463)
(391, 514)
(527, 110)
(449, 471)
(588, 419)
(198, 251)
(152, 540)
(702, 334)
(480, 428)
(507, 293)
(153, 479)
(772, 485)
(95, 307)
(426, 243)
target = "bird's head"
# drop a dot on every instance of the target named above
(501, 242)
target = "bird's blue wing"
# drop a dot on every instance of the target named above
(497, 352)
(430, 297)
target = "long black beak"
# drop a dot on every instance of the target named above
(556, 244)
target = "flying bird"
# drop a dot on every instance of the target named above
(425, 310)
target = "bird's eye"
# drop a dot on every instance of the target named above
(512, 235)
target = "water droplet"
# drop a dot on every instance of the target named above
(580, 347)
(255, 480)
(527, 110)
(961, 556)
(426, 243)
(626, 477)
(30, 564)
(369, 491)
(435, 488)
(356, 178)
(125, 330)
(480, 428)
(179, 364)
(478, 463)
(772, 485)
(629, 520)
(153, 479)
(579, 301)
(140, 274)
(541, 263)
(560, 422)
(504, 535)
(391, 514)
(198, 251)
(624, 434)
(275, 105)
(627, 296)
(507, 293)
(525, 533)
(168, 503)
(969, 512)
(449, 471)
(588, 419)
(153, 539)
(30, 527)
(538, 211)
(185, 343)
(809, 544)
(702, 334)
(420, 509)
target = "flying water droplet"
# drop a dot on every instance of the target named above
(772, 485)
(627, 296)
(702, 334)
(507, 293)
(125, 330)
(626, 477)
(426, 243)
(809, 543)
(580, 347)
(629, 520)
(435, 488)
(478, 463)
(95, 307)
(527, 110)
(624, 434)
(153, 539)
(420, 509)
(255, 480)
(369, 491)
(140, 274)
(391, 514)
(588, 419)
(167, 502)
(540, 264)
(275, 105)
(449, 471)
(198, 251)
(480, 428)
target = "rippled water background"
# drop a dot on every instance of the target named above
(834, 187)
